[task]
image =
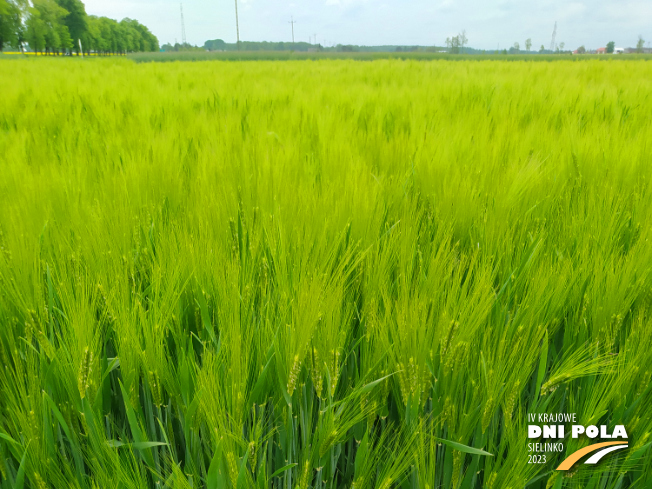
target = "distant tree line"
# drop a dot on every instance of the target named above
(220, 45)
(63, 27)
(176, 47)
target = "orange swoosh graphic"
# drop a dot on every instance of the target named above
(575, 456)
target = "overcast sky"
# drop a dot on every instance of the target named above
(488, 23)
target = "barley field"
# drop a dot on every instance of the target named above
(322, 274)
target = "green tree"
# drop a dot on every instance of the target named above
(108, 32)
(131, 37)
(35, 31)
(640, 44)
(463, 39)
(581, 50)
(139, 38)
(61, 25)
(528, 44)
(11, 28)
(55, 33)
(610, 47)
(215, 45)
(149, 41)
(542, 48)
(453, 44)
(91, 37)
(456, 44)
(75, 20)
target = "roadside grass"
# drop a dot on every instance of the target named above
(329, 274)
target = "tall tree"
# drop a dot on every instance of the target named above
(107, 41)
(215, 45)
(640, 44)
(75, 19)
(463, 39)
(457, 43)
(35, 30)
(60, 25)
(10, 23)
(56, 36)
(610, 47)
(90, 39)
(528, 44)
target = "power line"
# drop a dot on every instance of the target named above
(292, 22)
(183, 27)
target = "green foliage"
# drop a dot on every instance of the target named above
(215, 45)
(220, 45)
(456, 44)
(35, 31)
(181, 47)
(105, 35)
(75, 18)
(46, 28)
(611, 45)
(11, 29)
(60, 26)
(321, 274)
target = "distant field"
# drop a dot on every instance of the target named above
(322, 275)
(29, 54)
(365, 56)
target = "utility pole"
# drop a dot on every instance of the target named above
(554, 35)
(292, 22)
(183, 27)
(237, 28)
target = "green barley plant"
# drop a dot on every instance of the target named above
(322, 273)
